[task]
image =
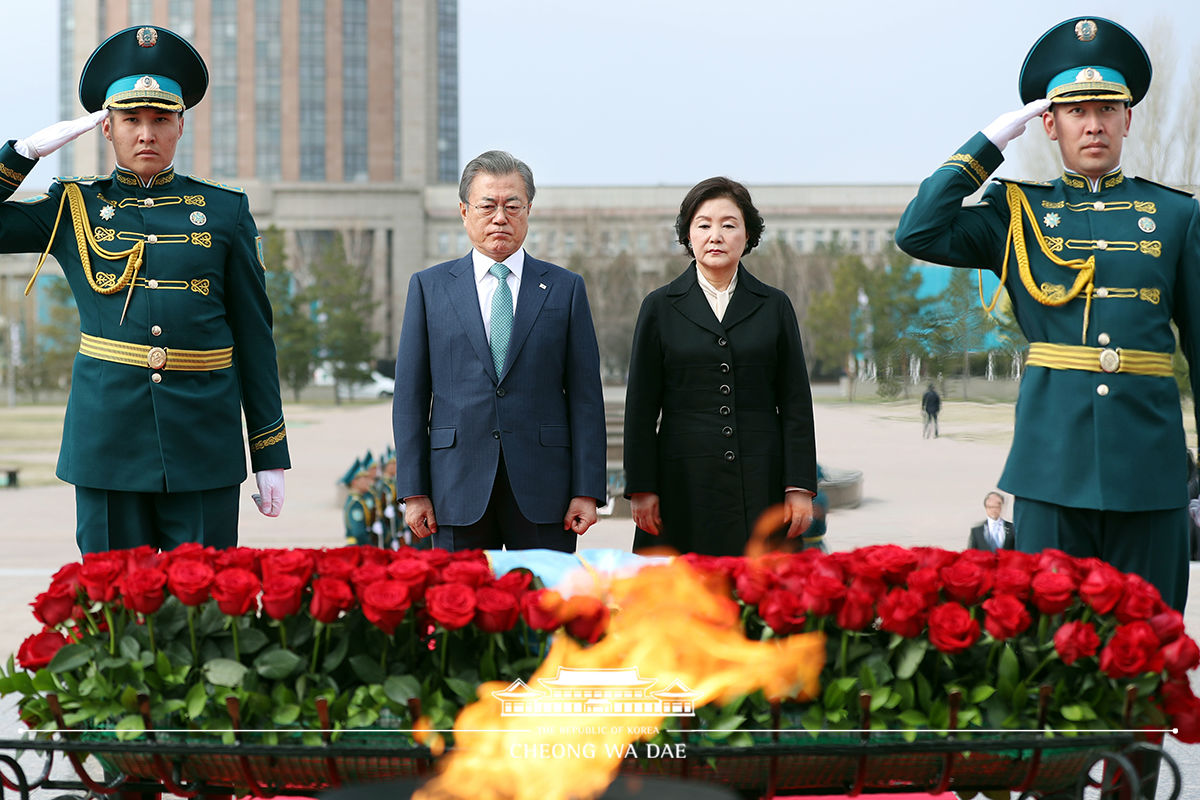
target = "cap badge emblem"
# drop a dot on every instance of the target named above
(1087, 75)
(1147, 225)
(146, 82)
(198, 218)
(148, 37)
(1051, 220)
(1085, 30)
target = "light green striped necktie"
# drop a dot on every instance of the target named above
(502, 317)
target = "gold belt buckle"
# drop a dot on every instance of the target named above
(156, 358)
(1110, 360)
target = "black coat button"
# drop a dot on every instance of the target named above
(722, 342)
(727, 431)
(495, 434)
(725, 389)
(725, 411)
(724, 369)
(500, 392)
(729, 456)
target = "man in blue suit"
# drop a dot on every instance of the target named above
(498, 413)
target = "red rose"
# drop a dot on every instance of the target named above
(474, 554)
(586, 618)
(240, 557)
(339, 563)
(330, 597)
(385, 603)
(858, 609)
(236, 591)
(888, 562)
(724, 566)
(194, 551)
(1180, 656)
(190, 580)
(1168, 625)
(753, 581)
(365, 575)
(823, 591)
(142, 557)
(540, 609)
(925, 582)
(37, 650)
(496, 610)
(468, 573)
(376, 555)
(951, 628)
(1007, 616)
(56, 604)
(1141, 600)
(934, 557)
(282, 596)
(1015, 559)
(902, 611)
(1183, 708)
(1075, 640)
(142, 590)
(452, 605)
(414, 573)
(1053, 592)
(298, 563)
(1132, 650)
(100, 578)
(434, 557)
(968, 578)
(1102, 587)
(781, 611)
(515, 582)
(1012, 580)
(1052, 560)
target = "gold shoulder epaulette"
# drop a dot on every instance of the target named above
(1163, 186)
(80, 178)
(224, 186)
(1035, 184)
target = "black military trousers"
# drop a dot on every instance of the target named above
(112, 520)
(1153, 544)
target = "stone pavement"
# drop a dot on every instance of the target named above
(916, 492)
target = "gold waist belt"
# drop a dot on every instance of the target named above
(1099, 359)
(141, 355)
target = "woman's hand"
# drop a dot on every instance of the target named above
(798, 512)
(645, 512)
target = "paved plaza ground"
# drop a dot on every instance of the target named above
(916, 492)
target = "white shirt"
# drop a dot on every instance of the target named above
(486, 283)
(718, 299)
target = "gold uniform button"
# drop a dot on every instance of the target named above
(149, 201)
(1103, 339)
(156, 377)
(1102, 389)
(156, 358)
(1101, 244)
(1110, 360)
(157, 331)
(1098, 205)
(152, 283)
(151, 239)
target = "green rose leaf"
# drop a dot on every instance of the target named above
(981, 693)
(277, 664)
(1078, 712)
(197, 696)
(43, 681)
(130, 727)
(251, 640)
(465, 690)
(69, 657)
(909, 657)
(401, 688)
(285, 714)
(225, 672)
(335, 657)
(367, 668)
(1008, 672)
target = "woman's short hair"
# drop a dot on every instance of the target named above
(719, 187)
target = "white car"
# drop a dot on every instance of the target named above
(377, 386)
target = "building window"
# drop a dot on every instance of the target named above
(798, 240)
(312, 90)
(447, 91)
(67, 83)
(354, 90)
(222, 88)
(181, 19)
(267, 85)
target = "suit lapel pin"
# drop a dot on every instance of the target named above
(541, 286)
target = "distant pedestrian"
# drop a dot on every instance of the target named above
(931, 404)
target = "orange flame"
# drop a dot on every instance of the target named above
(670, 626)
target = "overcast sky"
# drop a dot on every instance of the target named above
(672, 91)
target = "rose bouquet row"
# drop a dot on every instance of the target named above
(376, 637)
(911, 626)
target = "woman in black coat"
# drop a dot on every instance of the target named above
(717, 354)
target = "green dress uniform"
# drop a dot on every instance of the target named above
(175, 328)
(1098, 420)
(357, 517)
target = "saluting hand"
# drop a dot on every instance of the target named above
(1007, 127)
(49, 139)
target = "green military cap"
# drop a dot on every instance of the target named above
(355, 470)
(1086, 58)
(143, 66)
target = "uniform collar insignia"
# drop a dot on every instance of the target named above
(130, 178)
(1106, 181)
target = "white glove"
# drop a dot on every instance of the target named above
(270, 491)
(1194, 511)
(1007, 127)
(47, 140)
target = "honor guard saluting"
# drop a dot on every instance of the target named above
(167, 273)
(1097, 263)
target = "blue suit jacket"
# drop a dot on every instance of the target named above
(452, 414)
